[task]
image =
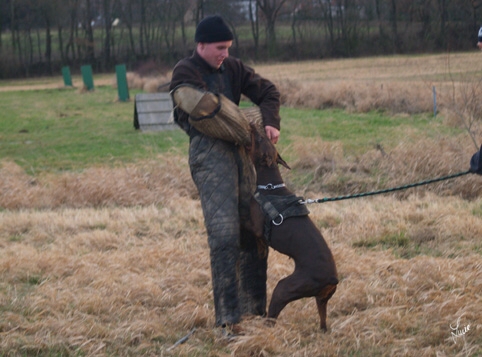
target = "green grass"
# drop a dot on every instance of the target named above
(60, 129)
(359, 131)
(63, 129)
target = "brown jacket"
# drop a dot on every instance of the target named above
(232, 79)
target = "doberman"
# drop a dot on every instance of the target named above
(297, 236)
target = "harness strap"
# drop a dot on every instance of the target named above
(268, 208)
(278, 208)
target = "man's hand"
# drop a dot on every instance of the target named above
(272, 133)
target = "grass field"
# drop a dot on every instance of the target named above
(103, 250)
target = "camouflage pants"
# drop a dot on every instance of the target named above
(238, 272)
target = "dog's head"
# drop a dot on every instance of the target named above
(262, 151)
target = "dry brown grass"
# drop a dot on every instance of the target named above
(149, 84)
(128, 185)
(113, 261)
(331, 172)
(399, 84)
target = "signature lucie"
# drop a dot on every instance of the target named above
(459, 332)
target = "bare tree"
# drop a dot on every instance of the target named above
(107, 19)
(181, 8)
(167, 23)
(156, 29)
(127, 10)
(442, 14)
(51, 12)
(271, 10)
(474, 6)
(88, 21)
(172, 13)
(21, 25)
(327, 17)
(199, 11)
(2, 16)
(378, 10)
(254, 20)
(394, 26)
(143, 28)
(294, 19)
(13, 24)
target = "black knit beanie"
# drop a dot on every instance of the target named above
(213, 29)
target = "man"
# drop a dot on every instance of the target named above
(238, 271)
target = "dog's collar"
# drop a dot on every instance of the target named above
(270, 186)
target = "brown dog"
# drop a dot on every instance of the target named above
(296, 236)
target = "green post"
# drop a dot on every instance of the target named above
(67, 77)
(122, 87)
(87, 76)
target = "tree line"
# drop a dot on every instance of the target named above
(38, 37)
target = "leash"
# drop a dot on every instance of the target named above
(398, 188)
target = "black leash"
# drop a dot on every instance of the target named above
(364, 194)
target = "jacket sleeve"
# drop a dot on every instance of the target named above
(263, 93)
(184, 73)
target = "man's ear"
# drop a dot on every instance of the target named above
(280, 161)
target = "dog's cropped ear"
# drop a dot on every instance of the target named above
(280, 161)
(268, 160)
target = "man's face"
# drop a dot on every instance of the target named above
(214, 53)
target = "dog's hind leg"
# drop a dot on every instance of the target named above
(321, 302)
(291, 288)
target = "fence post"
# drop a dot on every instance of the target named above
(87, 77)
(434, 101)
(66, 76)
(122, 87)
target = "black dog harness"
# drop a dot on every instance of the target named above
(278, 208)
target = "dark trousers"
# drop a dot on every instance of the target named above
(238, 271)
